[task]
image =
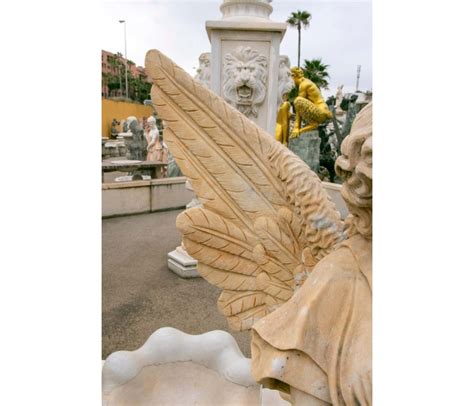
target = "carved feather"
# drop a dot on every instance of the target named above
(265, 215)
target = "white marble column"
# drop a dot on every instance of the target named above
(247, 37)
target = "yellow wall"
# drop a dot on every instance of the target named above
(121, 110)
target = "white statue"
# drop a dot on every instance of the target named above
(339, 97)
(245, 80)
(285, 82)
(203, 74)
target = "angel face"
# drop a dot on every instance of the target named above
(355, 167)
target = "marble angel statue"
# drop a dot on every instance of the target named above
(268, 235)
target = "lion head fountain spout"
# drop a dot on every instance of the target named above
(245, 76)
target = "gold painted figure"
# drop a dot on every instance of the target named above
(309, 105)
(282, 129)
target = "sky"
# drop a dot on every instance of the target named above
(340, 33)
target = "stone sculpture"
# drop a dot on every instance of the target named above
(320, 340)
(269, 236)
(309, 105)
(155, 150)
(113, 131)
(203, 74)
(138, 145)
(245, 80)
(339, 97)
(285, 82)
(282, 127)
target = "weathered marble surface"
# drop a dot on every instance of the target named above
(247, 22)
(307, 147)
(174, 368)
(245, 80)
(270, 237)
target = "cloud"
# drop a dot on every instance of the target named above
(340, 33)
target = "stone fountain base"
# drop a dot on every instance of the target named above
(174, 368)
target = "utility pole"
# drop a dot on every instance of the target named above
(126, 60)
(358, 76)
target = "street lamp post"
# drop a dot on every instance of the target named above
(126, 60)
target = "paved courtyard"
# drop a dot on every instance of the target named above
(140, 294)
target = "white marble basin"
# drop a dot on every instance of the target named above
(174, 368)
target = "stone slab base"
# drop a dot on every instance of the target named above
(306, 146)
(182, 264)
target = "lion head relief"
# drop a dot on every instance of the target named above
(245, 77)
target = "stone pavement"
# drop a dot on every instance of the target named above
(140, 294)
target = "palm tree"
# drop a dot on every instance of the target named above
(299, 19)
(316, 71)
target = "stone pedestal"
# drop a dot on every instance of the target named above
(182, 264)
(306, 146)
(246, 34)
(179, 261)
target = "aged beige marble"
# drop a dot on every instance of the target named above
(271, 238)
(266, 219)
(317, 346)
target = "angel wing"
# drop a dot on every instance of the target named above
(266, 219)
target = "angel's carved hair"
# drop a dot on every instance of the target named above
(355, 167)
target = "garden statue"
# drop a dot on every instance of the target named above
(203, 74)
(269, 236)
(309, 105)
(156, 148)
(114, 132)
(125, 128)
(138, 146)
(285, 82)
(339, 97)
(282, 128)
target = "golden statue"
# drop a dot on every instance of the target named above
(309, 105)
(282, 129)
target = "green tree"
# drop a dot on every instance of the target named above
(298, 19)
(139, 89)
(117, 66)
(316, 71)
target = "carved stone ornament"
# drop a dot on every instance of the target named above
(203, 74)
(285, 82)
(270, 237)
(245, 80)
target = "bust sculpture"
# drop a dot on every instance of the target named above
(269, 236)
(309, 105)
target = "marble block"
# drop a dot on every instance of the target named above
(246, 38)
(306, 146)
(182, 264)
